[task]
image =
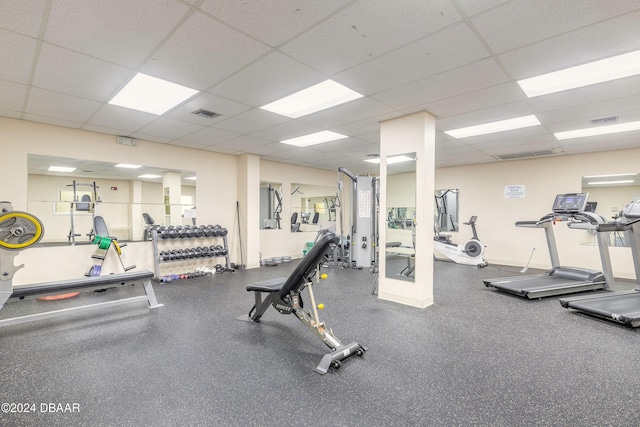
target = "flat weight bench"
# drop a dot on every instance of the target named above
(283, 294)
(84, 284)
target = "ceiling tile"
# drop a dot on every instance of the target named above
(62, 70)
(290, 129)
(59, 106)
(114, 117)
(620, 88)
(202, 52)
(268, 79)
(268, 148)
(12, 114)
(21, 50)
(521, 22)
(209, 136)
(251, 121)
(169, 128)
(493, 96)
(218, 149)
(609, 38)
(423, 58)
(22, 16)
(242, 143)
(350, 112)
(472, 77)
(12, 96)
(473, 7)
(365, 30)
(486, 115)
(124, 32)
(591, 111)
(254, 18)
(52, 121)
(152, 138)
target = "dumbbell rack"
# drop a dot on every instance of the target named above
(159, 242)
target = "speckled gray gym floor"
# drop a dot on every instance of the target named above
(477, 357)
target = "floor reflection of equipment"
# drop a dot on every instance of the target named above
(621, 307)
(19, 230)
(471, 253)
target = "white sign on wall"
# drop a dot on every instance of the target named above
(514, 191)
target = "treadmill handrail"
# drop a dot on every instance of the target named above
(616, 226)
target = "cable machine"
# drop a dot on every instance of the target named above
(362, 238)
(87, 203)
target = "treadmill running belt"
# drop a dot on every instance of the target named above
(620, 307)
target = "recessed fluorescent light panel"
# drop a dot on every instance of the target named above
(623, 181)
(611, 176)
(191, 178)
(315, 98)
(150, 176)
(600, 130)
(151, 94)
(60, 169)
(392, 160)
(314, 138)
(604, 70)
(493, 127)
(127, 166)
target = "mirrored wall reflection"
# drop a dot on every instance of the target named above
(313, 207)
(446, 209)
(270, 205)
(608, 195)
(68, 198)
(400, 217)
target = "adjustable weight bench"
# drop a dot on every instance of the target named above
(284, 294)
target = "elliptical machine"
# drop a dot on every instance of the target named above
(469, 254)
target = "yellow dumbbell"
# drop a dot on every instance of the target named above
(320, 306)
(323, 276)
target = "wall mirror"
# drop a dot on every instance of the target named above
(313, 207)
(400, 213)
(270, 205)
(67, 200)
(446, 209)
(608, 195)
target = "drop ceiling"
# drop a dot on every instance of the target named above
(457, 59)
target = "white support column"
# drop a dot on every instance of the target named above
(249, 201)
(172, 185)
(137, 227)
(414, 133)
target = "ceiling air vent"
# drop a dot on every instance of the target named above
(205, 113)
(528, 154)
(605, 121)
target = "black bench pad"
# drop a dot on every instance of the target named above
(271, 285)
(78, 284)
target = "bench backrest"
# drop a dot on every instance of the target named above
(296, 281)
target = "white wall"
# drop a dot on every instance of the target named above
(482, 194)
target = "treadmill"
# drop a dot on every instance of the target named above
(624, 306)
(560, 280)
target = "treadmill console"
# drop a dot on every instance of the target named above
(570, 203)
(632, 210)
